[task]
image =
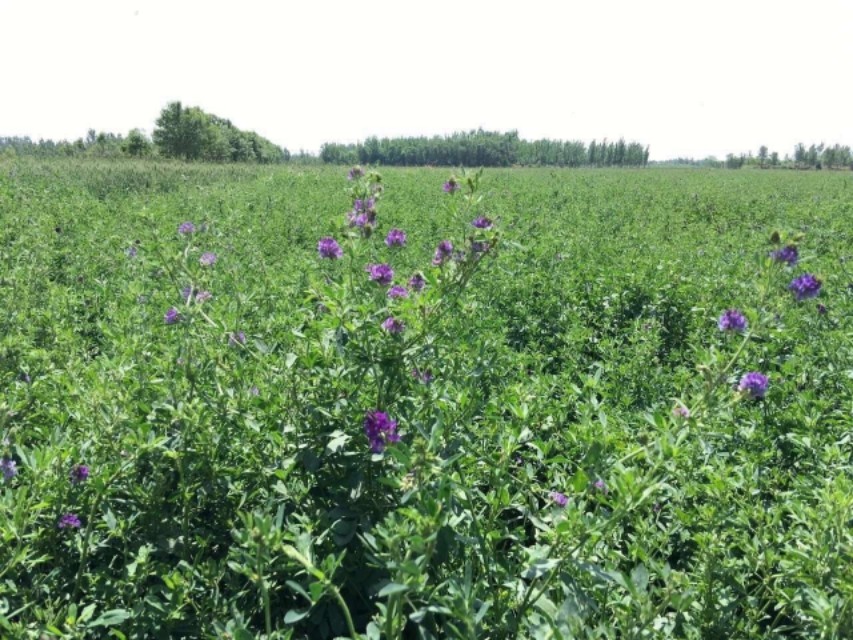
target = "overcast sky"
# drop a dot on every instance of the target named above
(688, 77)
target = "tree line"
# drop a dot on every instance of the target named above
(185, 133)
(485, 149)
(815, 156)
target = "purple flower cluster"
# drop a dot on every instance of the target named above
(442, 252)
(203, 296)
(380, 273)
(600, 485)
(172, 316)
(69, 521)
(398, 291)
(451, 186)
(236, 338)
(355, 173)
(424, 376)
(392, 325)
(186, 228)
(208, 259)
(788, 255)
(380, 430)
(732, 320)
(753, 384)
(417, 282)
(560, 499)
(329, 248)
(396, 238)
(805, 286)
(482, 222)
(363, 213)
(9, 468)
(79, 473)
(131, 252)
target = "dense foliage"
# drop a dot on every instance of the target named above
(191, 134)
(485, 149)
(185, 133)
(270, 402)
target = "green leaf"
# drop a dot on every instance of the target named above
(111, 618)
(295, 586)
(392, 588)
(540, 568)
(87, 613)
(640, 577)
(293, 616)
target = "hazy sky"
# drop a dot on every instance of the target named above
(688, 77)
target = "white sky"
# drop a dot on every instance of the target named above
(688, 77)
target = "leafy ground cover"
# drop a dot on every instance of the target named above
(277, 402)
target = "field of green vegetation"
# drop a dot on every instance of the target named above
(231, 410)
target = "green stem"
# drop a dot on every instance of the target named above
(265, 594)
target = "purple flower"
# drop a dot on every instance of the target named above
(398, 291)
(358, 220)
(753, 384)
(806, 286)
(392, 325)
(186, 228)
(478, 246)
(9, 468)
(365, 206)
(329, 248)
(355, 173)
(172, 316)
(417, 282)
(600, 485)
(681, 412)
(380, 430)
(186, 293)
(787, 254)
(236, 338)
(560, 499)
(821, 309)
(482, 222)
(732, 320)
(442, 252)
(208, 259)
(396, 238)
(423, 376)
(203, 296)
(79, 473)
(451, 186)
(69, 521)
(380, 273)
(131, 252)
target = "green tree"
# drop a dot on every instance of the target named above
(136, 144)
